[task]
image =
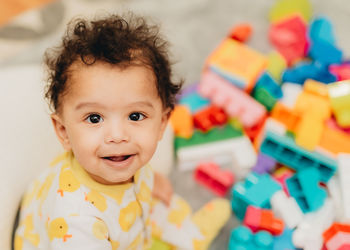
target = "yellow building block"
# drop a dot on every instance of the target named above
(237, 63)
(286, 8)
(316, 88)
(309, 131)
(276, 65)
(316, 105)
(339, 93)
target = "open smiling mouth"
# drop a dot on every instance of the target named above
(117, 158)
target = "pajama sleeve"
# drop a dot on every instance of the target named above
(79, 232)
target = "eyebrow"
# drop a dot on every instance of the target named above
(95, 104)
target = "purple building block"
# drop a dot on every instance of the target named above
(264, 164)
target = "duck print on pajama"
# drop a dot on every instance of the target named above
(66, 209)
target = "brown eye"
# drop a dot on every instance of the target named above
(136, 116)
(94, 118)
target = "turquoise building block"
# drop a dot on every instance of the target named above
(284, 241)
(304, 187)
(284, 150)
(194, 102)
(255, 190)
(243, 239)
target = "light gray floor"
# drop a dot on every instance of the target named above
(194, 28)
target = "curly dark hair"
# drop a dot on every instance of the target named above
(117, 40)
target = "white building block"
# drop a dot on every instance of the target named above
(238, 153)
(335, 193)
(287, 208)
(271, 125)
(308, 234)
(291, 92)
(344, 182)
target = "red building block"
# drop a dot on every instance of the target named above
(209, 117)
(289, 36)
(211, 176)
(337, 237)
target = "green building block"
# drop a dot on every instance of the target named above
(265, 98)
(216, 134)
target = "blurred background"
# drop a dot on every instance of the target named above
(194, 28)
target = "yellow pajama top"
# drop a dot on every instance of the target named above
(66, 209)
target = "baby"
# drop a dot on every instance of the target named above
(111, 94)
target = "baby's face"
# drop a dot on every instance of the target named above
(112, 119)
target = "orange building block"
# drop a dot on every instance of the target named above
(241, 32)
(283, 114)
(237, 63)
(334, 229)
(10, 9)
(335, 140)
(270, 223)
(182, 122)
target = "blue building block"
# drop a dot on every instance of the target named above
(304, 187)
(243, 239)
(321, 29)
(285, 151)
(322, 45)
(325, 53)
(194, 102)
(284, 241)
(255, 190)
(308, 70)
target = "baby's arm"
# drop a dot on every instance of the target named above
(162, 188)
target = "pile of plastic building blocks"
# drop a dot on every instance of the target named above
(274, 131)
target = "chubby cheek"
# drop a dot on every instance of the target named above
(148, 143)
(85, 144)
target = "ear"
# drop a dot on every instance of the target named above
(164, 122)
(60, 130)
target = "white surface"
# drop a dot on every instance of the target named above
(28, 142)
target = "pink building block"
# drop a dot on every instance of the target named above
(210, 175)
(252, 218)
(341, 71)
(234, 101)
(262, 219)
(281, 175)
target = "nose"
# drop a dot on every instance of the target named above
(116, 132)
